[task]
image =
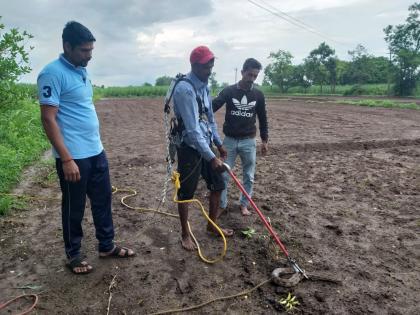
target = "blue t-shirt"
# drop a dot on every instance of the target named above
(69, 88)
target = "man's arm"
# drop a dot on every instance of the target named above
(219, 101)
(263, 124)
(212, 123)
(52, 130)
(213, 126)
(187, 108)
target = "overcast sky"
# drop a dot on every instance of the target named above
(140, 40)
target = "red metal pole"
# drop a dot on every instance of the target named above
(267, 225)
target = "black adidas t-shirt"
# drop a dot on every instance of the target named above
(242, 107)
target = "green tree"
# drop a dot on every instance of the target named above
(364, 68)
(358, 71)
(299, 77)
(163, 81)
(342, 70)
(379, 69)
(14, 60)
(213, 82)
(316, 71)
(321, 64)
(280, 71)
(224, 85)
(331, 66)
(404, 45)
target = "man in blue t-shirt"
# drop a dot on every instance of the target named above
(72, 126)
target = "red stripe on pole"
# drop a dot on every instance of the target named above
(267, 225)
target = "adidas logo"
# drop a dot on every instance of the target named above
(242, 107)
(243, 104)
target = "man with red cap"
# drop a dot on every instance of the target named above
(198, 132)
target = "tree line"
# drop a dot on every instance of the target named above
(323, 68)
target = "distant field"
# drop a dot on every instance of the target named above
(269, 91)
(343, 90)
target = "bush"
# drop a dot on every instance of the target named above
(22, 141)
(356, 89)
(13, 64)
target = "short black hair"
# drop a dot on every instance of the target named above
(251, 63)
(76, 34)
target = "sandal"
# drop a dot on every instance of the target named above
(79, 263)
(115, 253)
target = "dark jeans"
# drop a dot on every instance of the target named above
(95, 183)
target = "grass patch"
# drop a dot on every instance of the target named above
(381, 103)
(47, 174)
(22, 141)
(379, 89)
(130, 91)
(315, 90)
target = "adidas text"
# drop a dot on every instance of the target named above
(239, 113)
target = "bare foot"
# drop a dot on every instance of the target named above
(226, 232)
(187, 243)
(245, 211)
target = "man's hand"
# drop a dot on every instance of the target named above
(264, 148)
(71, 171)
(217, 165)
(222, 152)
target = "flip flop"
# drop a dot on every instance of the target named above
(79, 263)
(115, 253)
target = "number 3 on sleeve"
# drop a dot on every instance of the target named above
(47, 90)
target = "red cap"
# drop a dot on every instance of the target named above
(201, 55)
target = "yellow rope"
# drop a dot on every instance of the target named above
(177, 184)
(132, 193)
(178, 310)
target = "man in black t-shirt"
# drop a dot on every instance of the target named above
(244, 103)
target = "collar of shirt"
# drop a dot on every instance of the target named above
(70, 65)
(199, 85)
(239, 88)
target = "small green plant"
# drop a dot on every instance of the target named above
(5, 204)
(290, 302)
(249, 232)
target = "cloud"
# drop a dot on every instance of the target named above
(140, 40)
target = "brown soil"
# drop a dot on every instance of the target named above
(341, 186)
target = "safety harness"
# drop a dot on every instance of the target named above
(176, 124)
(174, 127)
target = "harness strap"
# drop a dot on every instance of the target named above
(182, 77)
(178, 127)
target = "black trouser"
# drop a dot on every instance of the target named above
(190, 166)
(95, 183)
